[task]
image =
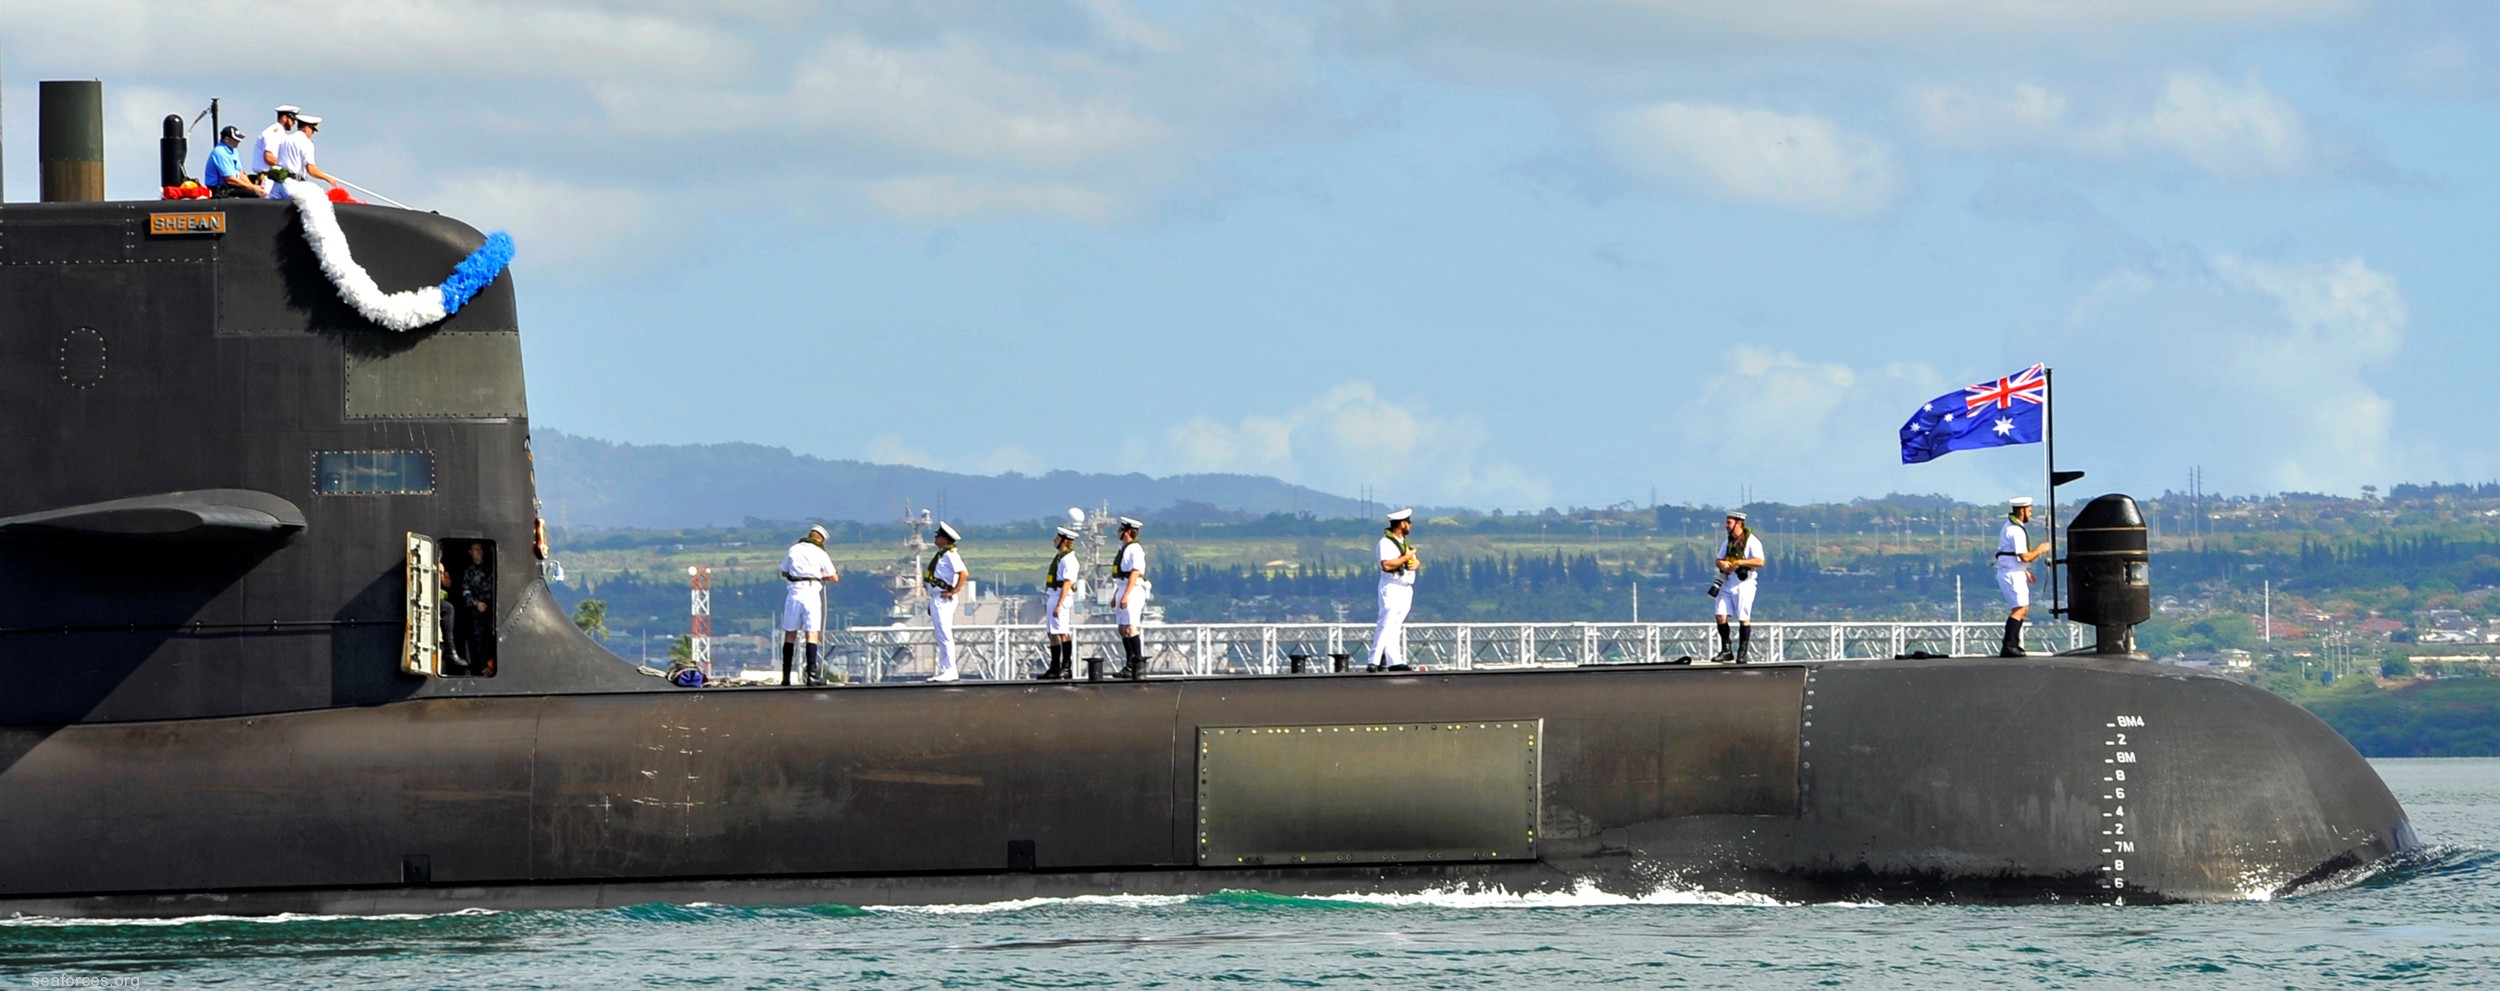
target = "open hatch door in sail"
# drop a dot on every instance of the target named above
(421, 646)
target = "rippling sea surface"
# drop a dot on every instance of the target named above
(2433, 923)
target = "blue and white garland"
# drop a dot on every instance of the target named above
(405, 310)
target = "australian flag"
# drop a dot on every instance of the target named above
(1990, 414)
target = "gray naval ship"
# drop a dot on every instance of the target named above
(226, 497)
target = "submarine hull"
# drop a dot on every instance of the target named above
(1980, 780)
(226, 493)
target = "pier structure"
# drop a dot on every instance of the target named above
(881, 653)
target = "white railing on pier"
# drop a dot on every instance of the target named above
(879, 653)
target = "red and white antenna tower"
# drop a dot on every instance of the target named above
(699, 629)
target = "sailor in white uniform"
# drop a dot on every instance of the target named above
(1398, 565)
(1130, 590)
(2014, 577)
(807, 569)
(1059, 605)
(1737, 564)
(944, 577)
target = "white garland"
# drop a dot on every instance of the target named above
(406, 310)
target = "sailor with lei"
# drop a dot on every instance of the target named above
(2014, 577)
(944, 578)
(1130, 589)
(1398, 565)
(1059, 601)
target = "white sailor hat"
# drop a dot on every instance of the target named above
(1067, 533)
(1129, 523)
(307, 120)
(1736, 514)
(2019, 502)
(818, 530)
(289, 108)
(1403, 514)
(947, 530)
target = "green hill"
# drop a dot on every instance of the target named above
(2453, 717)
(585, 482)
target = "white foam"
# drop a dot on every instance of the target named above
(1583, 894)
(190, 920)
(1022, 904)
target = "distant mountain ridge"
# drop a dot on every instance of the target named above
(584, 481)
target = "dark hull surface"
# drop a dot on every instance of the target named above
(1966, 779)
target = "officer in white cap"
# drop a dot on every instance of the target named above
(296, 159)
(1130, 590)
(1398, 565)
(944, 577)
(1059, 579)
(1737, 564)
(263, 151)
(806, 568)
(2014, 577)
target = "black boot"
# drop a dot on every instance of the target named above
(815, 675)
(1058, 670)
(1727, 646)
(787, 649)
(1135, 646)
(1744, 643)
(2013, 639)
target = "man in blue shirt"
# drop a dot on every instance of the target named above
(225, 174)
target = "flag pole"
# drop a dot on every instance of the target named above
(2048, 434)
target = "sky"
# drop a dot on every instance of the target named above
(1462, 252)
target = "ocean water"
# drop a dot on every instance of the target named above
(2431, 923)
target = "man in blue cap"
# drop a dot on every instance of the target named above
(225, 176)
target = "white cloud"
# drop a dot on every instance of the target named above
(1095, 127)
(1631, 27)
(2235, 131)
(1895, 18)
(946, 101)
(1347, 437)
(556, 226)
(431, 38)
(2259, 368)
(892, 449)
(1796, 429)
(1795, 162)
(1094, 110)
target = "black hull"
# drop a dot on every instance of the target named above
(242, 728)
(1955, 780)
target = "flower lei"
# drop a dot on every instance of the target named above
(407, 309)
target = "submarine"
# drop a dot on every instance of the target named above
(228, 489)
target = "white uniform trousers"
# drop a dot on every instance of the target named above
(1056, 618)
(942, 620)
(803, 610)
(1389, 637)
(2016, 584)
(1736, 601)
(1126, 613)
